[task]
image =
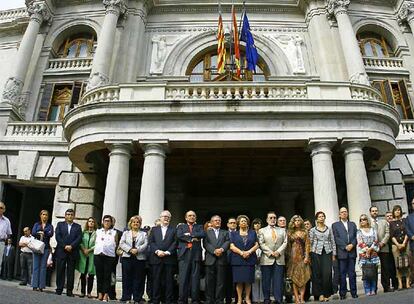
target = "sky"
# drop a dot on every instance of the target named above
(7, 4)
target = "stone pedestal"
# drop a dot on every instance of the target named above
(103, 55)
(359, 200)
(117, 181)
(353, 57)
(153, 179)
(324, 186)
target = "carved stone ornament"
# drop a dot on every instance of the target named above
(117, 7)
(336, 7)
(161, 48)
(406, 12)
(12, 90)
(360, 78)
(38, 11)
(96, 80)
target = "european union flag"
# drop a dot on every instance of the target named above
(251, 53)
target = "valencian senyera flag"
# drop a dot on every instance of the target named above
(251, 53)
(236, 42)
(221, 47)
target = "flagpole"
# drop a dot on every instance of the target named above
(241, 28)
(232, 38)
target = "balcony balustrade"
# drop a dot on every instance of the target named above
(76, 65)
(34, 131)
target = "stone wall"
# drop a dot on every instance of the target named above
(387, 186)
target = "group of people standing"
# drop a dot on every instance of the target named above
(269, 260)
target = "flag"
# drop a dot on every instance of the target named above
(236, 42)
(221, 47)
(251, 53)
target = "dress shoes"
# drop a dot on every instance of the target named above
(70, 294)
(342, 297)
(354, 296)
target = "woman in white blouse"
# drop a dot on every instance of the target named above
(104, 256)
(134, 244)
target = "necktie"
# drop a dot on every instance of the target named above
(190, 244)
(273, 234)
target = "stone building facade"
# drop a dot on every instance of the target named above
(116, 107)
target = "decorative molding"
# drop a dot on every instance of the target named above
(96, 80)
(337, 7)
(360, 78)
(161, 48)
(12, 90)
(39, 12)
(116, 7)
(406, 12)
(213, 29)
(183, 9)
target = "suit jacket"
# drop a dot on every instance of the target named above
(236, 240)
(63, 239)
(344, 238)
(268, 245)
(409, 225)
(212, 243)
(183, 239)
(141, 244)
(383, 232)
(169, 244)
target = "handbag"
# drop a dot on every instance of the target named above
(288, 286)
(119, 251)
(369, 272)
(36, 246)
(402, 261)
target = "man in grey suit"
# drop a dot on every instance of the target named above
(383, 233)
(273, 242)
(216, 243)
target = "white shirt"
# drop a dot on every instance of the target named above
(164, 231)
(5, 228)
(69, 227)
(345, 224)
(26, 240)
(216, 231)
(105, 242)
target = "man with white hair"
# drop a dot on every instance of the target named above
(5, 230)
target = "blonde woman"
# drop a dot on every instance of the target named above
(134, 244)
(299, 261)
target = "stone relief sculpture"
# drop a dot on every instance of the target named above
(12, 89)
(161, 47)
(97, 79)
(292, 47)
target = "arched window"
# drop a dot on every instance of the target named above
(79, 46)
(204, 68)
(374, 45)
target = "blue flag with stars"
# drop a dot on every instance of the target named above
(251, 53)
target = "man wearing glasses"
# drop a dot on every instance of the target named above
(5, 231)
(273, 242)
(409, 224)
(68, 237)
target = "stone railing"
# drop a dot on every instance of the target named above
(383, 63)
(69, 64)
(234, 91)
(102, 94)
(406, 130)
(364, 93)
(34, 131)
(12, 14)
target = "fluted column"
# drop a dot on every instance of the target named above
(38, 12)
(406, 14)
(153, 181)
(117, 181)
(352, 53)
(359, 199)
(103, 55)
(324, 185)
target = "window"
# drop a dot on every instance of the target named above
(77, 47)
(58, 98)
(374, 45)
(205, 69)
(394, 92)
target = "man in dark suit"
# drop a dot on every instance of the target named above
(230, 287)
(189, 236)
(8, 260)
(163, 258)
(216, 244)
(68, 237)
(344, 233)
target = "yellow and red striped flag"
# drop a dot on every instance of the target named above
(236, 42)
(221, 47)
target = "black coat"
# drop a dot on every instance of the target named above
(344, 238)
(169, 244)
(63, 239)
(183, 239)
(212, 243)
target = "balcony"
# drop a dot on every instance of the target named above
(384, 65)
(34, 131)
(69, 66)
(13, 14)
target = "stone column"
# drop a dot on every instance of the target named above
(352, 53)
(103, 55)
(324, 185)
(359, 199)
(153, 179)
(406, 13)
(38, 12)
(117, 181)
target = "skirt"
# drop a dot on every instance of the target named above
(243, 274)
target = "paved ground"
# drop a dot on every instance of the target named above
(12, 293)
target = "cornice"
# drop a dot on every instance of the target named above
(213, 29)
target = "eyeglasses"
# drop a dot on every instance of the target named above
(363, 219)
(272, 217)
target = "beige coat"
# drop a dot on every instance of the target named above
(383, 231)
(267, 245)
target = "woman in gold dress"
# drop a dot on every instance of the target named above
(298, 253)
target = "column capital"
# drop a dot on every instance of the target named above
(154, 147)
(321, 145)
(116, 7)
(39, 11)
(338, 7)
(119, 147)
(406, 12)
(353, 145)
(12, 90)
